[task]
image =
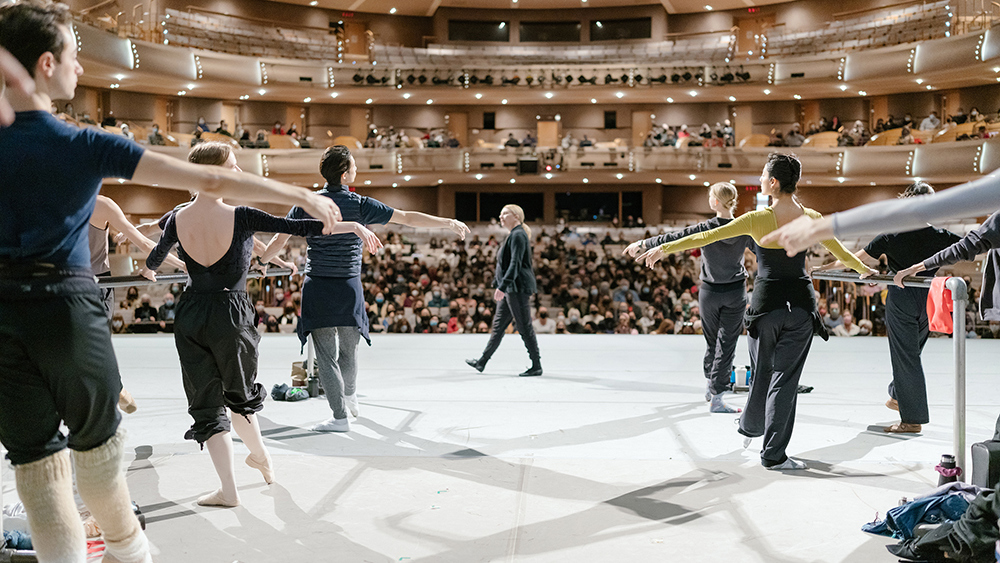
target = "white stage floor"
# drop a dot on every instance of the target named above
(610, 456)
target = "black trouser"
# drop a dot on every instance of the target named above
(513, 307)
(108, 297)
(779, 343)
(56, 365)
(907, 325)
(721, 323)
(217, 344)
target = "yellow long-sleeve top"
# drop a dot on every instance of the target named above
(758, 224)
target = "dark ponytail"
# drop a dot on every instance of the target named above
(786, 169)
(335, 161)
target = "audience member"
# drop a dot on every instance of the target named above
(155, 137)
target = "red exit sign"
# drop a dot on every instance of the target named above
(347, 14)
(753, 10)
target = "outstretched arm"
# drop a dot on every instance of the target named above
(646, 244)
(420, 220)
(159, 170)
(107, 211)
(742, 225)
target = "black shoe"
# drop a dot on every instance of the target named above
(477, 365)
(533, 371)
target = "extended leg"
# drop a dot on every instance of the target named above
(220, 448)
(248, 429)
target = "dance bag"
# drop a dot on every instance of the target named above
(986, 464)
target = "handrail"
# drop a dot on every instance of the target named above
(128, 281)
(959, 296)
(878, 8)
(682, 34)
(268, 22)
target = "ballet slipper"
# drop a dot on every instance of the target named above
(126, 403)
(719, 406)
(265, 468)
(217, 499)
(45, 487)
(90, 528)
(101, 484)
(892, 404)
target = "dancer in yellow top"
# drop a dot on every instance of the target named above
(782, 317)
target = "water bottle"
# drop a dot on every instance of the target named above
(312, 385)
(947, 470)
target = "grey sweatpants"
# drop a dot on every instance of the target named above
(907, 325)
(779, 343)
(337, 357)
(721, 323)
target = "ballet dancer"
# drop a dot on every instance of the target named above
(213, 326)
(57, 364)
(722, 297)
(333, 302)
(782, 317)
(906, 314)
(515, 284)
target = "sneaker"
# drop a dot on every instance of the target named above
(352, 404)
(788, 465)
(333, 425)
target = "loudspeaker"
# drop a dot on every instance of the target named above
(527, 166)
(489, 120)
(610, 120)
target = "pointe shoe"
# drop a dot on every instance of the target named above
(892, 404)
(126, 403)
(352, 404)
(477, 365)
(217, 499)
(903, 428)
(265, 468)
(90, 528)
(746, 442)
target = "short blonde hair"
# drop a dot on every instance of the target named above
(212, 153)
(726, 194)
(519, 213)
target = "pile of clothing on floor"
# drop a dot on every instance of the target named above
(955, 522)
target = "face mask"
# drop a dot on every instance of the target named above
(593, 292)
(379, 299)
(481, 310)
(414, 293)
(578, 284)
(434, 323)
(169, 302)
(117, 324)
(468, 324)
(437, 294)
(400, 279)
(574, 319)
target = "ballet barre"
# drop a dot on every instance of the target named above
(959, 296)
(128, 281)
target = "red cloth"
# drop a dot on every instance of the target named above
(940, 306)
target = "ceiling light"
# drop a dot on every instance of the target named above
(797, 97)
(670, 100)
(307, 100)
(368, 182)
(479, 96)
(407, 177)
(920, 81)
(513, 181)
(262, 91)
(429, 102)
(709, 8)
(394, 184)
(693, 93)
(843, 87)
(862, 93)
(479, 176)
(406, 96)
(313, 3)
(619, 95)
(392, 11)
(706, 184)
(334, 94)
(659, 180)
(503, 25)
(767, 92)
(440, 181)
(929, 87)
(549, 95)
(841, 179)
(586, 181)
(548, 176)
(619, 175)
(504, 101)
(732, 98)
(692, 177)
(600, 25)
(114, 86)
(119, 77)
(593, 100)
(182, 93)
(368, 101)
